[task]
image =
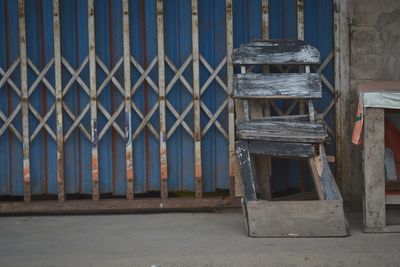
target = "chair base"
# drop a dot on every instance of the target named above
(315, 218)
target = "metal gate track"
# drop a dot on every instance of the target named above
(123, 205)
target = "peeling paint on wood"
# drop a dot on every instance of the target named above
(277, 85)
(282, 131)
(276, 53)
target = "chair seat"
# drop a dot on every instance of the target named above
(282, 131)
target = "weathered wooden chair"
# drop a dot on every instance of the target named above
(296, 136)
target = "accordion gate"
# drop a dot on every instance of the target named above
(114, 99)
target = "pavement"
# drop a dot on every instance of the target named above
(180, 239)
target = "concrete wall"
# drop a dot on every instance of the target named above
(374, 55)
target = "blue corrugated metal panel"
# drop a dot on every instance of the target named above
(39, 37)
(10, 147)
(74, 40)
(143, 39)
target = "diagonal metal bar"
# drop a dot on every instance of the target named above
(326, 111)
(75, 78)
(211, 70)
(144, 75)
(181, 77)
(42, 122)
(145, 121)
(6, 77)
(8, 122)
(291, 107)
(325, 63)
(176, 115)
(78, 79)
(179, 120)
(214, 75)
(213, 119)
(75, 74)
(328, 84)
(178, 74)
(110, 76)
(76, 121)
(110, 121)
(41, 76)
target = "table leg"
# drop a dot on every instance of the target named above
(374, 172)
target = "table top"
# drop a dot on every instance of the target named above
(379, 94)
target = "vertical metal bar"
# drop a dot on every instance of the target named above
(128, 105)
(196, 99)
(342, 96)
(300, 19)
(59, 109)
(265, 19)
(302, 106)
(25, 105)
(93, 101)
(161, 95)
(231, 107)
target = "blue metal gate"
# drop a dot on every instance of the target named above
(157, 117)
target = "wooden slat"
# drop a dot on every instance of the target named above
(93, 101)
(233, 164)
(282, 131)
(392, 199)
(296, 218)
(276, 53)
(162, 107)
(277, 85)
(247, 171)
(320, 166)
(128, 103)
(196, 99)
(285, 150)
(59, 100)
(374, 168)
(25, 103)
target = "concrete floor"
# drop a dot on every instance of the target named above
(179, 239)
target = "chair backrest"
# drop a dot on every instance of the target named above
(276, 53)
(276, 85)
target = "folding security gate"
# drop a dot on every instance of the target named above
(122, 99)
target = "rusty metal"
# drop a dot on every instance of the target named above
(162, 98)
(93, 102)
(82, 206)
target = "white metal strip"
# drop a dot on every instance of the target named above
(196, 100)
(161, 95)
(93, 101)
(233, 164)
(59, 101)
(128, 106)
(25, 103)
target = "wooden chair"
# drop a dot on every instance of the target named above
(296, 136)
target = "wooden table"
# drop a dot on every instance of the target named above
(374, 98)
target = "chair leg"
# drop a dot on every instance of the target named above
(246, 170)
(323, 178)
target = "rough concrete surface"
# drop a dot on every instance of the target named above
(179, 239)
(374, 55)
